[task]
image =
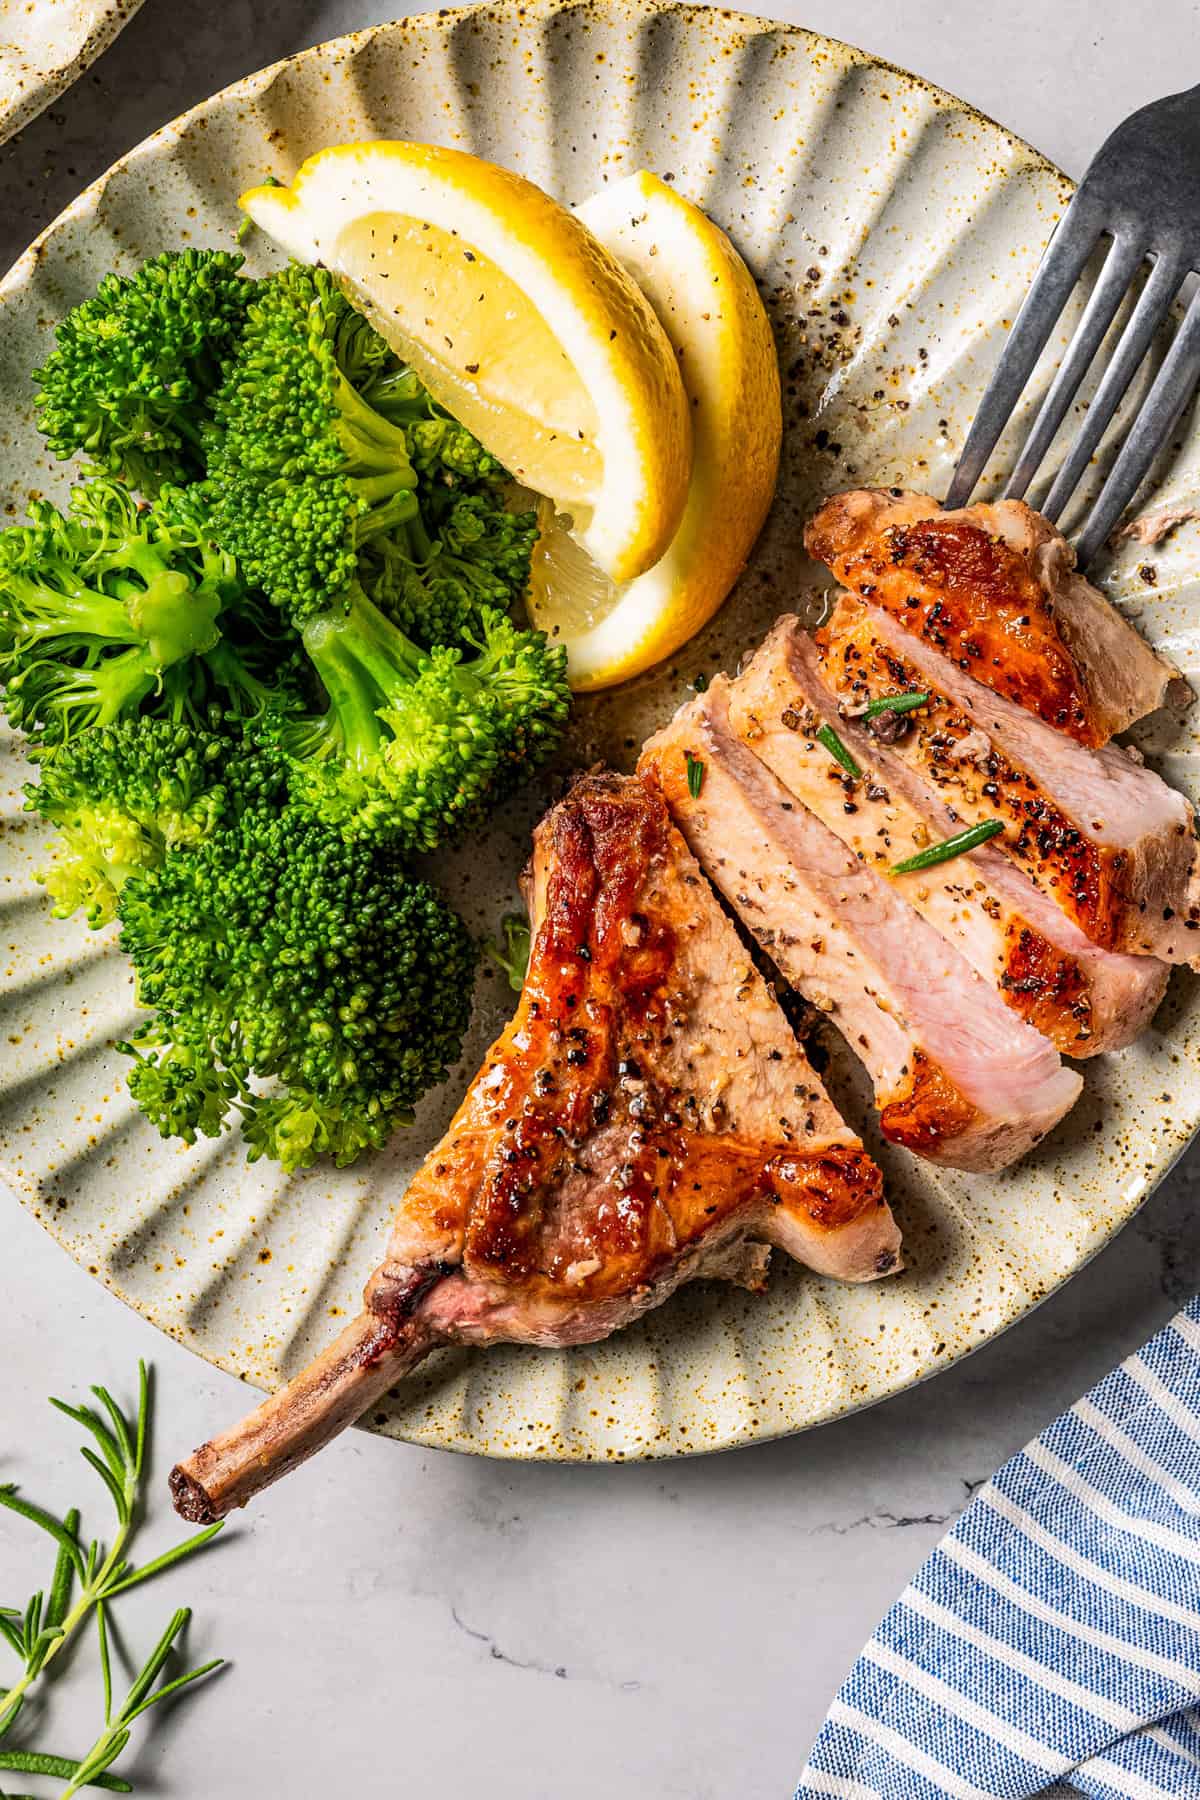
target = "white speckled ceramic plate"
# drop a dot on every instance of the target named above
(45, 45)
(893, 232)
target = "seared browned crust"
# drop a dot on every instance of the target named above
(930, 1113)
(1091, 882)
(582, 1057)
(972, 596)
(1046, 986)
(994, 587)
(620, 1138)
(1084, 1000)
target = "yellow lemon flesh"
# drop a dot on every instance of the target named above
(518, 321)
(709, 307)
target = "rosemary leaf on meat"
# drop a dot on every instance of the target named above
(695, 774)
(38, 1632)
(829, 738)
(958, 845)
(895, 703)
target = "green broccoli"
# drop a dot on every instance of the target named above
(129, 378)
(330, 465)
(112, 608)
(124, 795)
(96, 605)
(312, 488)
(414, 746)
(443, 452)
(470, 548)
(275, 952)
(512, 956)
(436, 588)
(299, 540)
(297, 395)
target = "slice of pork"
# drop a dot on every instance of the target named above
(958, 1077)
(1103, 836)
(995, 587)
(647, 1118)
(1084, 999)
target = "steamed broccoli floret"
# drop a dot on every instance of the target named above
(313, 489)
(469, 548)
(132, 368)
(330, 464)
(437, 588)
(443, 452)
(296, 398)
(96, 605)
(275, 951)
(415, 745)
(124, 795)
(299, 539)
(114, 608)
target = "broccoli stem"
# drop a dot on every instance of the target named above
(366, 663)
(420, 544)
(399, 397)
(129, 553)
(175, 621)
(390, 502)
(120, 683)
(358, 667)
(229, 670)
(369, 440)
(99, 694)
(39, 611)
(396, 487)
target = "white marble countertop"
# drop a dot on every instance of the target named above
(403, 1620)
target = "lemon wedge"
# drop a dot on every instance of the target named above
(517, 320)
(709, 307)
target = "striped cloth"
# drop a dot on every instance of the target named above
(1051, 1643)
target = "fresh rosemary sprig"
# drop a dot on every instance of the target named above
(958, 845)
(39, 1632)
(141, 1697)
(31, 1633)
(695, 774)
(897, 703)
(829, 738)
(61, 1768)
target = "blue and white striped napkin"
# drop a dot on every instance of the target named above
(1051, 1643)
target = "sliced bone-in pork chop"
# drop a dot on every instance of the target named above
(995, 588)
(1103, 836)
(646, 1118)
(1082, 998)
(958, 1077)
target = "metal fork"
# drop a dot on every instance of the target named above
(1142, 190)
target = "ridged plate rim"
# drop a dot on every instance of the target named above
(716, 1423)
(54, 67)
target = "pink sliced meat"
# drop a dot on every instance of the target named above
(995, 588)
(1084, 999)
(1103, 836)
(959, 1078)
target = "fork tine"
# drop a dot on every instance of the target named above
(1120, 266)
(1060, 268)
(1157, 418)
(1153, 303)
